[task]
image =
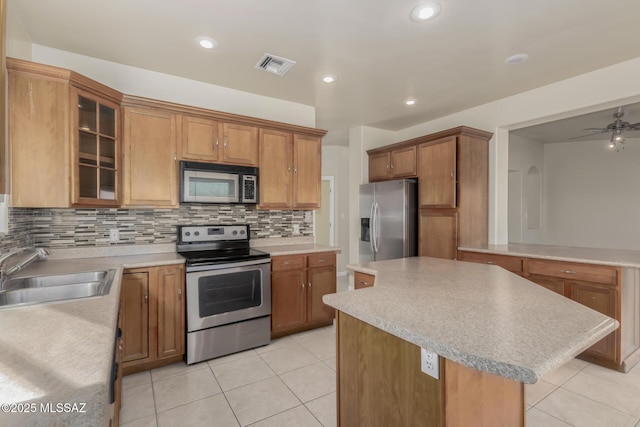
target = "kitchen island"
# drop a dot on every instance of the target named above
(492, 331)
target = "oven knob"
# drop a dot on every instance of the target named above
(188, 233)
(197, 233)
(241, 231)
(235, 232)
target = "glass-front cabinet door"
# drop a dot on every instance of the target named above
(96, 150)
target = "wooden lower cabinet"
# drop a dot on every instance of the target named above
(298, 283)
(362, 280)
(380, 383)
(438, 234)
(152, 306)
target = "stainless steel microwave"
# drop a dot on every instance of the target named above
(215, 183)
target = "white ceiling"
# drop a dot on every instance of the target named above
(381, 57)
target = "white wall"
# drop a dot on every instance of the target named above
(523, 154)
(18, 41)
(164, 87)
(592, 195)
(335, 162)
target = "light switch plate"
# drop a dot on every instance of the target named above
(429, 363)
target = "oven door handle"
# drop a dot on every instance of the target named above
(232, 264)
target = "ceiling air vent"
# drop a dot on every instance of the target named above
(275, 64)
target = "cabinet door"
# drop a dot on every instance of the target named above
(39, 142)
(437, 173)
(604, 300)
(199, 139)
(438, 235)
(307, 171)
(170, 294)
(362, 280)
(134, 303)
(150, 157)
(321, 281)
(276, 169)
(403, 163)
(240, 144)
(95, 142)
(552, 283)
(379, 165)
(288, 300)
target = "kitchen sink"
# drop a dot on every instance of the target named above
(56, 287)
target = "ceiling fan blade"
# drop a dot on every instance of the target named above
(634, 126)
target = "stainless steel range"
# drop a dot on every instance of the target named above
(228, 291)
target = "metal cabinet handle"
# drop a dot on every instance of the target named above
(568, 271)
(362, 282)
(287, 263)
(388, 166)
(391, 165)
(309, 284)
(288, 168)
(225, 142)
(451, 173)
(490, 262)
(179, 293)
(322, 260)
(295, 169)
(302, 285)
(216, 141)
(146, 298)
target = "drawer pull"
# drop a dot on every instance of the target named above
(491, 262)
(568, 271)
(287, 263)
(362, 282)
(322, 260)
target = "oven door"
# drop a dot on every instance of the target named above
(210, 187)
(223, 294)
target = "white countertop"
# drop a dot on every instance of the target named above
(61, 352)
(478, 315)
(613, 257)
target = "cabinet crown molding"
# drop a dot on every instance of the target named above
(460, 130)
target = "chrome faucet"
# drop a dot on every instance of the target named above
(38, 253)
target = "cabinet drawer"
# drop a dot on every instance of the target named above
(574, 271)
(281, 263)
(511, 263)
(362, 280)
(322, 259)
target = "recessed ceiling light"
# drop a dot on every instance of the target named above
(329, 78)
(425, 11)
(207, 42)
(517, 58)
(410, 101)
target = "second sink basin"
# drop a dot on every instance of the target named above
(57, 287)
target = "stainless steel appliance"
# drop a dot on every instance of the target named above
(214, 183)
(388, 220)
(228, 287)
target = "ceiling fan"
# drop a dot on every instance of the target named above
(617, 129)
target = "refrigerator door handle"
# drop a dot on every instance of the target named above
(376, 212)
(372, 229)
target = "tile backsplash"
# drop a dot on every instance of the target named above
(66, 228)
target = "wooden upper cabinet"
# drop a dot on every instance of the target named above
(379, 166)
(200, 140)
(240, 145)
(64, 138)
(437, 173)
(395, 164)
(150, 167)
(276, 169)
(307, 174)
(290, 170)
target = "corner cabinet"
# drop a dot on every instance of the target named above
(298, 283)
(64, 138)
(150, 158)
(290, 170)
(152, 305)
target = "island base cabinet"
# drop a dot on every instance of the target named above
(380, 383)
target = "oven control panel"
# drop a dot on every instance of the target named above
(213, 233)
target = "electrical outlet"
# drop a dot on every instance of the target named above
(296, 229)
(114, 235)
(429, 363)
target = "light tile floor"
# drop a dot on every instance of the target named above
(291, 382)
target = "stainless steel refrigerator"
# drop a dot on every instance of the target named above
(388, 220)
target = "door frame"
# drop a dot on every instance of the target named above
(331, 209)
